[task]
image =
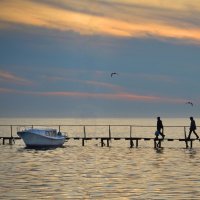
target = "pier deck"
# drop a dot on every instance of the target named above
(105, 141)
(134, 141)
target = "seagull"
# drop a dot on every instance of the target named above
(189, 103)
(114, 73)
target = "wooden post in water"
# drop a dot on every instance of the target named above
(131, 140)
(108, 142)
(136, 143)
(83, 139)
(191, 143)
(102, 143)
(186, 140)
(10, 141)
(83, 142)
(131, 143)
(11, 135)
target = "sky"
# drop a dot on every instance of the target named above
(56, 58)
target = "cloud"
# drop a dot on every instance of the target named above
(95, 78)
(6, 76)
(154, 77)
(105, 85)
(156, 18)
(7, 90)
(100, 96)
(108, 96)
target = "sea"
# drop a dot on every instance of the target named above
(94, 172)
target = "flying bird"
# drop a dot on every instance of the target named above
(190, 103)
(114, 73)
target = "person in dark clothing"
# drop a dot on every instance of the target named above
(192, 128)
(160, 128)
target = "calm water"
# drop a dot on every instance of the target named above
(93, 172)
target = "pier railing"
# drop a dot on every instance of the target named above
(106, 133)
(100, 130)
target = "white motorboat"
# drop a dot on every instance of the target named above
(42, 137)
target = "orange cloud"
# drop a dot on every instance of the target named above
(9, 77)
(153, 77)
(106, 85)
(127, 18)
(6, 90)
(111, 96)
(105, 96)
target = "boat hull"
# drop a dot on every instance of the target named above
(37, 140)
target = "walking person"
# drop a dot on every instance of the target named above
(160, 128)
(192, 128)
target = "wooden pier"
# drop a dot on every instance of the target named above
(11, 140)
(133, 141)
(105, 141)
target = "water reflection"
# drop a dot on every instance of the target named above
(43, 148)
(91, 172)
(191, 152)
(159, 150)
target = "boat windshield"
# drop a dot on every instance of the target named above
(51, 132)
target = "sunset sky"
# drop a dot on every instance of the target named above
(56, 58)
